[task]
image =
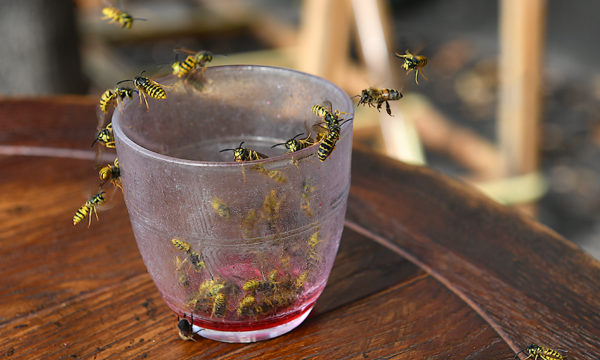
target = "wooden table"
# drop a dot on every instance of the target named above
(427, 269)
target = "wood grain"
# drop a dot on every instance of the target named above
(481, 280)
(417, 318)
(530, 284)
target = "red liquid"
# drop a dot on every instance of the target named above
(251, 324)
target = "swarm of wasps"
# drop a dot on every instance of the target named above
(115, 97)
(220, 298)
(327, 134)
(212, 295)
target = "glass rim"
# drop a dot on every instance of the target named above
(287, 156)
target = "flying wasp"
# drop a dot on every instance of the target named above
(536, 351)
(147, 87)
(112, 173)
(413, 62)
(193, 62)
(241, 154)
(106, 137)
(118, 16)
(376, 97)
(185, 328)
(88, 208)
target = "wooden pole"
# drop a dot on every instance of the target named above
(522, 26)
(519, 111)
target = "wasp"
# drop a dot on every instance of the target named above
(106, 99)
(295, 144)
(185, 328)
(543, 353)
(249, 224)
(147, 87)
(195, 258)
(106, 137)
(181, 245)
(258, 285)
(182, 278)
(117, 94)
(328, 144)
(219, 206)
(204, 298)
(312, 255)
(413, 62)
(271, 206)
(244, 154)
(112, 173)
(376, 97)
(248, 307)
(118, 16)
(307, 190)
(324, 112)
(219, 305)
(331, 138)
(300, 280)
(88, 208)
(314, 239)
(191, 64)
(276, 175)
(211, 288)
(281, 298)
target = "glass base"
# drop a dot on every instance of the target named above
(253, 335)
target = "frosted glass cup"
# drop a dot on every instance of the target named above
(243, 249)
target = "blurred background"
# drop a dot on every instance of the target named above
(510, 102)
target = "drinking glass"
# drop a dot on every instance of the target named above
(241, 249)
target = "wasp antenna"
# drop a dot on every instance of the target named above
(122, 81)
(297, 135)
(227, 150)
(94, 142)
(277, 145)
(142, 73)
(242, 143)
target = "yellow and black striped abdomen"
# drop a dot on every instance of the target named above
(105, 100)
(320, 111)
(189, 63)
(155, 91)
(327, 145)
(82, 213)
